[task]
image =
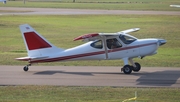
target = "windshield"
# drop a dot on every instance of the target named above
(127, 39)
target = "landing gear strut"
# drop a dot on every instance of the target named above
(26, 67)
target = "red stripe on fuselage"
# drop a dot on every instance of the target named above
(34, 41)
(130, 47)
(87, 54)
(68, 57)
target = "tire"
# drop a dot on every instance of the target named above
(137, 68)
(25, 68)
(127, 69)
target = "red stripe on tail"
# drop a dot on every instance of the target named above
(34, 41)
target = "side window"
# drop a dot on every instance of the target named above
(113, 43)
(97, 44)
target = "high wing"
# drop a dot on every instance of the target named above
(129, 31)
(88, 36)
(95, 36)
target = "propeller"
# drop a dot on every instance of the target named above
(161, 42)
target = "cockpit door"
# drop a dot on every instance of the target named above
(115, 48)
(132, 49)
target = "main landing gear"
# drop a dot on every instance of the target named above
(26, 68)
(127, 69)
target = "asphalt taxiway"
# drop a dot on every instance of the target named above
(55, 11)
(89, 76)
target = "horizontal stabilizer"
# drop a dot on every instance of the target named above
(30, 58)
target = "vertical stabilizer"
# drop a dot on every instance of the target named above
(36, 45)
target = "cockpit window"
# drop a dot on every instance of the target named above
(97, 44)
(127, 39)
(113, 43)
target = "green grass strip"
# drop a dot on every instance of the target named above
(86, 94)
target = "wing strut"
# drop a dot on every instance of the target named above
(105, 46)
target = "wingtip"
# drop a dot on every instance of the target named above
(136, 29)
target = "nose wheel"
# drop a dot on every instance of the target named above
(26, 68)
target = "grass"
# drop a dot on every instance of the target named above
(60, 30)
(86, 94)
(159, 5)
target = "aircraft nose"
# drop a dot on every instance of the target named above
(161, 42)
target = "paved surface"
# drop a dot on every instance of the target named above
(89, 76)
(51, 11)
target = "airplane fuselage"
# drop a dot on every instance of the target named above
(139, 48)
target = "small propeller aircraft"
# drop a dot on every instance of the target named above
(98, 46)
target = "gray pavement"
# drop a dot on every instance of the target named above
(89, 76)
(55, 11)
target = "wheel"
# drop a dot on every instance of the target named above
(137, 68)
(26, 68)
(127, 69)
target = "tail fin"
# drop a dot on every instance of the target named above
(36, 45)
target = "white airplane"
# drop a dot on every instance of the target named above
(100, 46)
